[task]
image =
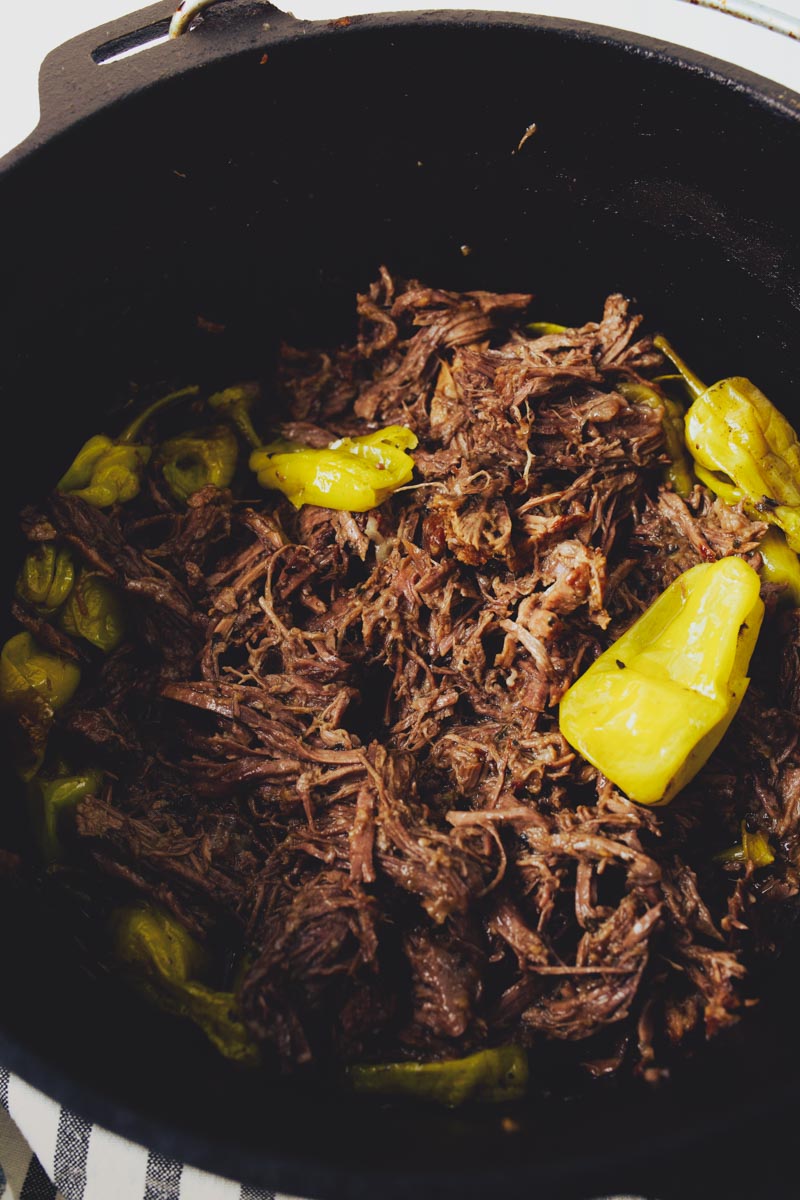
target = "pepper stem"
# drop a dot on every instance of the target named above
(235, 403)
(132, 431)
(695, 385)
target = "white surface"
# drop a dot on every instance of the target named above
(29, 29)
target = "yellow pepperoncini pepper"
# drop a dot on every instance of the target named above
(754, 848)
(163, 958)
(490, 1076)
(193, 461)
(94, 611)
(679, 470)
(33, 686)
(780, 564)
(51, 799)
(107, 470)
(46, 578)
(744, 449)
(652, 708)
(352, 474)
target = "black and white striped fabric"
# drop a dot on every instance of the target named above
(49, 1153)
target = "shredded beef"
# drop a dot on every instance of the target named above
(331, 739)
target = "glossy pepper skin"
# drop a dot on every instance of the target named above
(51, 800)
(46, 578)
(34, 684)
(162, 959)
(650, 711)
(195, 460)
(679, 470)
(488, 1077)
(108, 471)
(352, 474)
(94, 612)
(744, 449)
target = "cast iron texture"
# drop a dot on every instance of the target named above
(256, 173)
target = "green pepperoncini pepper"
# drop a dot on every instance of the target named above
(544, 328)
(94, 612)
(108, 471)
(753, 847)
(651, 710)
(34, 684)
(46, 578)
(235, 403)
(489, 1076)
(26, 668)
(51, 800)
(194, 460)
(162, 959)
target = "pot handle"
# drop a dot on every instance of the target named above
(107, 64)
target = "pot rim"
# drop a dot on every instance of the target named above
(74, 84)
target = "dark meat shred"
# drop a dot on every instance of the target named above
(331, 739)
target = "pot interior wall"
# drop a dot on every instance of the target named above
(260, 196)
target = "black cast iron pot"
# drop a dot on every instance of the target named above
(255, 174)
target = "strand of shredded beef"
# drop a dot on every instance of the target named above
(332, 738)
